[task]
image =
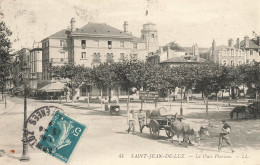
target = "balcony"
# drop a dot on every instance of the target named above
(59, 60)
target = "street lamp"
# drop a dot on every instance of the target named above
(181, 110)
(25, 156)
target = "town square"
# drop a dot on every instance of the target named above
(120, 82)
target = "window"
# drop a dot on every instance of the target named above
(96, 57)
(122, 56)
(47, 44)
(135, 45)
(225, 53)
(110, 57)
(62, 43)
(259, 52)
(109, 43)
(83, 54)
(232, 52)
(239, 62)
(232, 63)
(152, 35)
(251, 52)
(83, 44)
(228, 53)
(122, 44)
(62, 55)
(134, 57)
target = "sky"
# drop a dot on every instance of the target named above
(183, 21)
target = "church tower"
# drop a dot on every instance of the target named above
(150, 35)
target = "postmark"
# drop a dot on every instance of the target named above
(61, 137)
(37, 123)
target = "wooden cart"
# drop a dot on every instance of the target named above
(157, 123)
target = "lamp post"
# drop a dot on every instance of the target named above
(181, 110)
(25, 156)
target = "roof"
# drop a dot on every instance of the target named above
(252, 44)
(102, 29)
(183, 59)
(59, 34)
(53, 87)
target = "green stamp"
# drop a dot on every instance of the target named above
(61, 136)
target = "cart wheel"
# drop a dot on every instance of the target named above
(169, 133)
(154, 128)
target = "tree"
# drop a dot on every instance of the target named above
(206, 80)
(5, 57)
(104, 78)
(250, 75)
(76, 75)
(131, 74)
(173, 46)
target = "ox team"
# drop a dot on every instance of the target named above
(183, 129)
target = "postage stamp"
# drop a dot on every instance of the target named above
(61, 136)
(37, 123)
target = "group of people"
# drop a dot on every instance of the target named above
(224, 134)
(131, 121)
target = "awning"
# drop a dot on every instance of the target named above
(53, 87)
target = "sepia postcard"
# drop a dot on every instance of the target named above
(125, 82)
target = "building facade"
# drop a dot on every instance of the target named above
(35, 63)
(251, 48)
(54, 52)
(93, 44)
(150, 35)
(235, 54)
(96, 43)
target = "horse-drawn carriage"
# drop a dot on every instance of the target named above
(159, 119)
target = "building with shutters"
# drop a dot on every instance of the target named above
(93, 44)
(245, 51)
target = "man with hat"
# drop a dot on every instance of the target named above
(131, 121)
(224, 135)
(141, 118)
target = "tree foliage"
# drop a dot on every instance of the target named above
(5, 57)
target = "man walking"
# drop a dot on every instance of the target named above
(131, 121)
(141, 118)
(224, 135)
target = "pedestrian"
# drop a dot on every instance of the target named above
(131, 121)
(141, 118)
(224, 135)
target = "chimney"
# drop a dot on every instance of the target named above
(161, 49)
(213, 45)
(168, 51)
(72, 24)
(246, 38)
(238, 43)
(231, 42)
(126, 27)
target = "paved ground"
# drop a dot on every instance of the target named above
(107, 142)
